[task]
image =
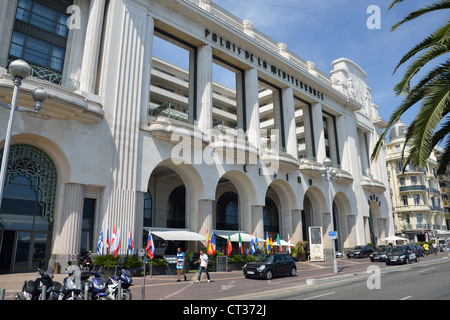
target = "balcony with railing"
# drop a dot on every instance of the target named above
(64, 100)
(271, 152)
(168, 124)
(233, 144)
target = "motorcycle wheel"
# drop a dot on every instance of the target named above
(126, 295)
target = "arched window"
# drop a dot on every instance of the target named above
(271, 220)
(227, 216)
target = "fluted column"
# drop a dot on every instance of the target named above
(129, 73)
(204, 87)
(252, 107)
(258, 221)
(70, 223)
(205, 216)
(289, 121)
(92, 46)
(319, 135)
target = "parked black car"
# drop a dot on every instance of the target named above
(420, 251)
(401, 255)
(380, 253)
(360, 251)
(269, 265)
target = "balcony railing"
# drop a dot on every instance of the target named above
(413, 188)
(167, 110)
(46, 74)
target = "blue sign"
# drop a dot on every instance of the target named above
(332, 234)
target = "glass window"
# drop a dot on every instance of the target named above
(228, 212)
(87, 231)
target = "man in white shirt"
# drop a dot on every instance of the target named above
(203, 266)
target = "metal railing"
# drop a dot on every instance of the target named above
(46, 74)
(167, 110)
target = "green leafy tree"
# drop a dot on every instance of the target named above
(432, 123)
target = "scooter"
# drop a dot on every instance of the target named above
(113, 286)
(72, 284)
(99, 287)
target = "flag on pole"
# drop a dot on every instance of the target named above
(279, 243)
(256, 241)
(107, 239)
(267, 242)
(212, 243)
(130, 241)
(240, 244)
(208, 243)
(271, 244)
(252, 244)
(289, 243)
(99, 243)
(230, 247)
(150, 248)
(115, 241)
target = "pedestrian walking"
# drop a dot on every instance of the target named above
(180, 264)
(203, 265)
(435, 247)
(426, 248)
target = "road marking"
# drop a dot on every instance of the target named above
(176, 292)
(406, 298)
(427, 269)
(320, 295)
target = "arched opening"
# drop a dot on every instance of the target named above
(176, 208)
(27, 210)
(227, 214)
(271, 219)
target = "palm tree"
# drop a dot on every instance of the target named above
(432, 123)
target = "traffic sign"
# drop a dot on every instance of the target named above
(332, 234)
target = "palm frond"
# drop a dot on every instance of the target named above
(440, 36)
(443, 4)
(437, 50)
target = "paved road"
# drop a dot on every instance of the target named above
(232, 285)
(421, 281)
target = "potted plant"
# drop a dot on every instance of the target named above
(106, 264)
(236, 262)
(158, 266)
(133, 263)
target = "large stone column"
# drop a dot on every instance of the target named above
(205, 216)
(252, 107)
(127, 95)
(297, 226)
(289, 121)
(92, 46)
(68, 237)
(204, 88)
(319, 136)
(258, 221)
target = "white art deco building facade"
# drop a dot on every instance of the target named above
(128, 139)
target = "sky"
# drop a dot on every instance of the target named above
(325, 30)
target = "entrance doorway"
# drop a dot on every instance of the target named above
(27, 209)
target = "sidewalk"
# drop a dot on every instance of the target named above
(223, 284)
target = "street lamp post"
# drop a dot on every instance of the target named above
(329, 175)
(19, 70)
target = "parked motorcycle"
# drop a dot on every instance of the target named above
(85, 260)
(113, 286)
(33, 290)
(72, 284)
(99, 286)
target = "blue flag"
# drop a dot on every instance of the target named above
(99, 243)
